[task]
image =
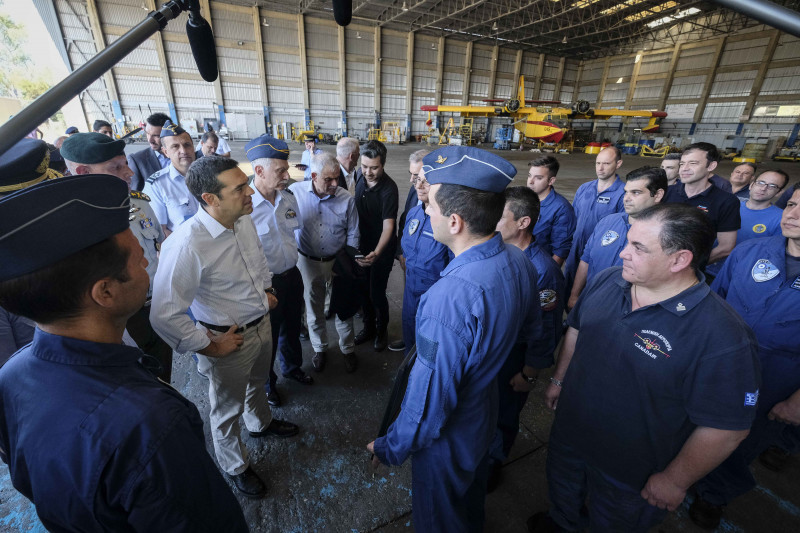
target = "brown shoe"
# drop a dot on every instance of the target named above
(318, 361)
(350, 362)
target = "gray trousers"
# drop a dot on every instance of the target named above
(236, 388)
(316, 276)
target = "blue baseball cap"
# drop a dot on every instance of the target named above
(266, 147)
(468, 166)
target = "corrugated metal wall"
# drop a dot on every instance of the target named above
(139, 81)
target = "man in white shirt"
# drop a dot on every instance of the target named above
(329, 222)
(215, 264)
(347, 152)
(276, 216)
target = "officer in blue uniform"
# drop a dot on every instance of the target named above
(96, 153)
(519, 373)
(467, 323)
(593, 201)
(556, 224)
(91, 437)
(644, 187)
(425, 258)
(761, 281)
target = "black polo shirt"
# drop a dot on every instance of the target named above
(375, 205)
(721, 207)
(640, 382)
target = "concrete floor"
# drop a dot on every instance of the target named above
(321, 480)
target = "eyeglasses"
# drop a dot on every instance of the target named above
(770, 186)
(418, 180)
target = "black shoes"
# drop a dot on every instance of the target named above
(364, 335)
(704, 514)
(277, 428)
(350, 362)
(774, 458)
(273, 398)
(397, 346)
(248, 484)
(299, 376)
(318, 361)
(304, 333)
(381, 340)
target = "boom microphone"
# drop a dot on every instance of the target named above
(343, 11)
(201, 39)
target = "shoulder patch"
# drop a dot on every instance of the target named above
(139, 195)
(764, 270)
(427, 348)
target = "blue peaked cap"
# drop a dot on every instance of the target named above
(468, 166)
(266, 147)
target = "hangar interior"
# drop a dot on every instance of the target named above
(721, 76)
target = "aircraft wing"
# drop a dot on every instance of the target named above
(462, 109)
(606, 113)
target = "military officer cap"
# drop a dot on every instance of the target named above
(266, 146)
(308, 137)
(71, 130)
(468, 166)
(91, 148)
(169, 129)
(25, 164)
(45, 217)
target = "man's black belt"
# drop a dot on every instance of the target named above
(223, 329)
(285, 273)
(318, 259)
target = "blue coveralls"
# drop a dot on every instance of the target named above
(602, 249)
(425, 260)
(590, 207)
(771, 307)
(553, 231)
(550, 282)
(466, 325)
(99, 444)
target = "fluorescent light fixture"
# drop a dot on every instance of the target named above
(564, 40)
(638, 58)
(405, 7)
(619, 80)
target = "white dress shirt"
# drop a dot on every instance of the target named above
(170, 198)
(327, 223)
(220, 273)
(276, 225)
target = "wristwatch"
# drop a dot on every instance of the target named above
(530, 380)
(271, 291)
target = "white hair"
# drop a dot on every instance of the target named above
(416, 157)
(324, 161)
(264, 162)
(346, 146)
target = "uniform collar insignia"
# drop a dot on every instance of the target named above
(441, 159)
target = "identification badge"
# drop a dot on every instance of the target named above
(290, 214)
(412, 226)
(604, 200)
(609, 237)
(146, 223)
(764, 270)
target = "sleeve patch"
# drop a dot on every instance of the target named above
(426, 349)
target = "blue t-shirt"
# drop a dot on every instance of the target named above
(758, 223)
(609, 237)
(556, 225)
(640, 382)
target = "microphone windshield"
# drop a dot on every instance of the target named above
(201, 40)
(343, 11)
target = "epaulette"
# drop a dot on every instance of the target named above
(155, 175)
(288, 191)
(139, 195)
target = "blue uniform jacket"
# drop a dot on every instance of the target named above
(609, 237)
(425, 256)
(98, 444)
(553, 231)
(551, 286)
(590, 207)
(771, 306)
(466, 324)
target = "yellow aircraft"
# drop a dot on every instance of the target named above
(539, 121)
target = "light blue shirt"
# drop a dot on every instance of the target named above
(276, 225)
(306, 160)
(164, 160)
(170, 198)
(327, 223)
(220, 273)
